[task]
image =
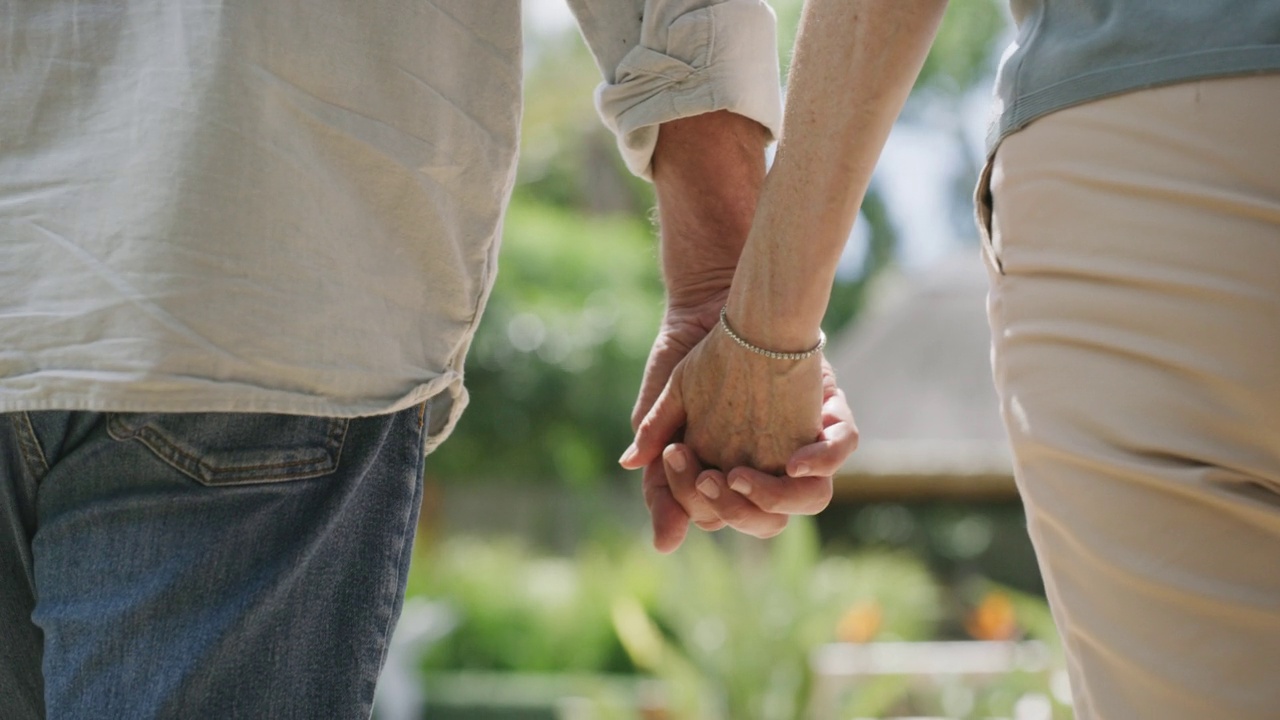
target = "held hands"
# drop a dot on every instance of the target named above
(752, 416)
(737, 407)
(780, 429)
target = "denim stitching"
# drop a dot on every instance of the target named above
(150, 435)
(29, 446)
(175, 455)
(388, 610)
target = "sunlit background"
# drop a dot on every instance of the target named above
(534, 593)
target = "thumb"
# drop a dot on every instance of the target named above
(663, 358)
(656, 377)
(658, 427)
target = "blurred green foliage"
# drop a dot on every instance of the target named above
(521, 612)
(739, 620)
(962, 55)
(727, 624)
(555, 365)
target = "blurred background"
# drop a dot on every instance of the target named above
(534, 592)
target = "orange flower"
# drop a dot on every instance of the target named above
(860, 623)
(993, 618)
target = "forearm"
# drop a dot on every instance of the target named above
(854, 65)
(694, 116)
(707, 172)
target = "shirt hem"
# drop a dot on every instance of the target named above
(132, 400)
(1022, 110)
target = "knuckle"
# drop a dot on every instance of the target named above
(735, 515)
(651, 497)
(768, 500)
(700, 513)
(766, 504)
(683, 494)
(645, 427)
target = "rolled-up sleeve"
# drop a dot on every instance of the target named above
(667, 59)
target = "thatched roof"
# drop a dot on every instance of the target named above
(916, 368)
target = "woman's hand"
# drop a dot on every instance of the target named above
(760, 504)
(737, 408)
(748, 412)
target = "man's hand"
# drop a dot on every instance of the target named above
(681, 331)
(707, 172)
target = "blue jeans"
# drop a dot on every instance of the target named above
(201, 565)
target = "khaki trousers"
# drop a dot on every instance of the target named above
(1134, 252)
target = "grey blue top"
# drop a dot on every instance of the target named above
(1072, 51)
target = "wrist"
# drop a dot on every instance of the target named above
(700, 294)
(769, 325)
(693, 321)
(782, 285)
(707, 170)
(788, 355)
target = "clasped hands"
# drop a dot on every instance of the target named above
(729, 437)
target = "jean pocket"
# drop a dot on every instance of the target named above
(984, 211)
(237, 448)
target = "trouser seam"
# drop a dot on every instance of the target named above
(394, 597)
(387, 608)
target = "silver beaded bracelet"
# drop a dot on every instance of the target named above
(724, 323)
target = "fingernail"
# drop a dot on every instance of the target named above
(802, 470)
(740, 485)
(709, 488)
(629, 455)
(675, 459)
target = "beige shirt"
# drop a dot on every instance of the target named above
(294, 206)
